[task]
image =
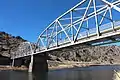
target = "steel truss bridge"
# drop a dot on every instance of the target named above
(91, 22)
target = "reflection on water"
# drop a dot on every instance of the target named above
(88, 73)
(39, 76)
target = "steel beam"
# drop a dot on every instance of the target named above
(112, 5)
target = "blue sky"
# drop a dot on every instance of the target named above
(28, 18)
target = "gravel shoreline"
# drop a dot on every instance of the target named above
(70, 64)
(60, 65)
(13, 68)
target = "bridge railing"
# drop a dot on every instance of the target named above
(87, 34)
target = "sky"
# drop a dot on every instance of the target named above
(28, 18)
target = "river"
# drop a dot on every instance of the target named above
(86, 73)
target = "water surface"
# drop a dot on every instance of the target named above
(87, 73)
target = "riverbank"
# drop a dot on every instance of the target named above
(71, 64)
(95, 73)
(13, 68)
(61, 65)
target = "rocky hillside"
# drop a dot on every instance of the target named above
(87, 53)
(79, 53)
(8, 43)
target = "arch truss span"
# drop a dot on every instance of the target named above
(87, 18)
(89, 21)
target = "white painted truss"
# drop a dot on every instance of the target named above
(87, 22)
(86, 17)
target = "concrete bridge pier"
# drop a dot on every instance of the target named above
(38, 63)
(35, 63)
(31, 64)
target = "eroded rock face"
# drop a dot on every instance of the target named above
(87, 53)
(81, 53)
(8, 43)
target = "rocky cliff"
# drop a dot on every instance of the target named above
(79, 53)
(87, 53)
(8, 43)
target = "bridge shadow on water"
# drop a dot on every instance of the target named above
(86, 73)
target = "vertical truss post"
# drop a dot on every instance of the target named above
(61, 36)
(112, 23)
(56, 33)
(96, 18)
(72, 29)
(47, 39)
(87, 28)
